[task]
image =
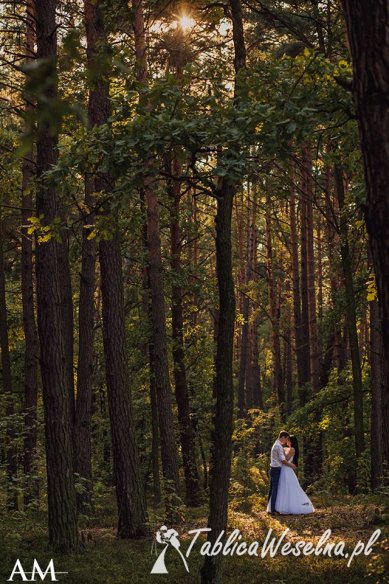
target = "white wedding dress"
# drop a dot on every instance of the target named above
(291, 498)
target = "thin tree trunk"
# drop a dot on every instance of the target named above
(253, 377)
(350, 315)
(313, 342)
(149, 351)
(296, 293)
(275, 317)
(211, 572)
(253, 374)
(155, 453)
(243, 397)
(31, 490)
(169, 453)
(10, 446)
(67, 314)
(86, 315)
(187, 433)
(313, 446)
(63, 532)
(86, 321)
(288, 368)
(305, 341)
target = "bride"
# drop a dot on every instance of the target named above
(291, 499)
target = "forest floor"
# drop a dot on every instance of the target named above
(107, 559)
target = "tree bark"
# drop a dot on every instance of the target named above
(376, 380)
(86, 316)
(253, 377)
(31, 490)
(313, 342)
(296, 291)
(278, 378)
(187, 433)
(126, 471)
(63, 532)
(367, 24)
(305, 341)
(10, 447)
(166, 424)
(351, 316)
(312, 446)
(149, 352)
(211, 572)
(85, 366)
(128, 484)
(243, 397)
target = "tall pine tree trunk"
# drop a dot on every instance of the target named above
(300, 356)
(278, 379)
(126, 470)
(10, 446)
(243, 396)
(351, 317)
(149, 352)
(367, 24)
(63, 532)
(211, 572)
(187, 433)
(313, 445)
(31, 490)
(169, 453)
(305, 341)
(86, 313)
(313, 342)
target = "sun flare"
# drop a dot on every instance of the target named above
(186, 22)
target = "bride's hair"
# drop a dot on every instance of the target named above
(294, 444)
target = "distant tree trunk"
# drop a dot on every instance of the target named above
(10, 447)
(305, 341)
(63, 532)
(320, 278)
(86, 318)
(275, 317)
(154, 431)
(300, 350)
(126, 471)
(187, 433)
(313, 342)
(169, 453)
(31, 490)
(211, 572)
(313, 445)
(288, 368)
(253, 374)
(350, 314)
(67, 314)
(244, 342)
(376, 380)
(367, 24)
(149, 352)
(86, 314)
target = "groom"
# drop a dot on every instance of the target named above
(277, 459)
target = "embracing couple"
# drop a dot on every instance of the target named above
(286, 496)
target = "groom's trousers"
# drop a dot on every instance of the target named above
(274, 478)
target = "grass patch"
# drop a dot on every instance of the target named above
(107, 559)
